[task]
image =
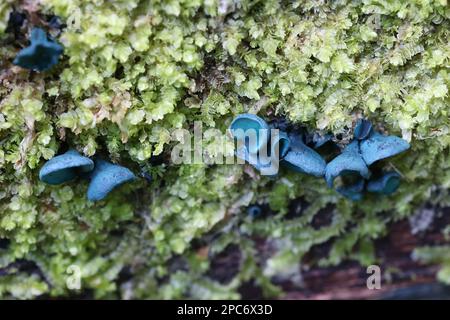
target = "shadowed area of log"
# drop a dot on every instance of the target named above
(323, 218)
(4, 243)
(402, 277)
(22, 265)
(250, 291)
(225, 265)
(296, 208)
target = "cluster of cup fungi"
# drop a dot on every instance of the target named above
(353, 165)
(42, 54)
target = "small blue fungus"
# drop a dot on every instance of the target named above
(65, 167)
(280, 142)
(297, 139)
(304, 159)
(248, 125)
(252, 158)
(348, 162)
(377, 147)
(146, 175)
(41, 54)
(268, 161)
(105, 177)
(259, 161)
(254, 211)
(363, 129)
(321, 140)
(352, 165)
(354, 191)
(387, 184)
(55, 23)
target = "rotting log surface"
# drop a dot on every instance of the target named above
(409, 279)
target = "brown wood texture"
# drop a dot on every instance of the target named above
(402, 277)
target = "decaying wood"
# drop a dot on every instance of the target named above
(402, 277)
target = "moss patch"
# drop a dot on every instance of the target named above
(133, 70)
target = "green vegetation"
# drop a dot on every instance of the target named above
(133, 70)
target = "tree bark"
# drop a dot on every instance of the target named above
(402, 277)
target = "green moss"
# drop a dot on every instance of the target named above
(133, 70)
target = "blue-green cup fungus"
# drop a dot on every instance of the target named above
(354, 191)
(254, 211)
(321, 140)
(251, 158)
(377, 147)
(106, 177)
(387, 184)
(41, 54)
(349, 161)
(250, 130)
(303, 159)
(56, 23)
(65, 167)
(280, 143)
(268, 165)
(363, 129)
